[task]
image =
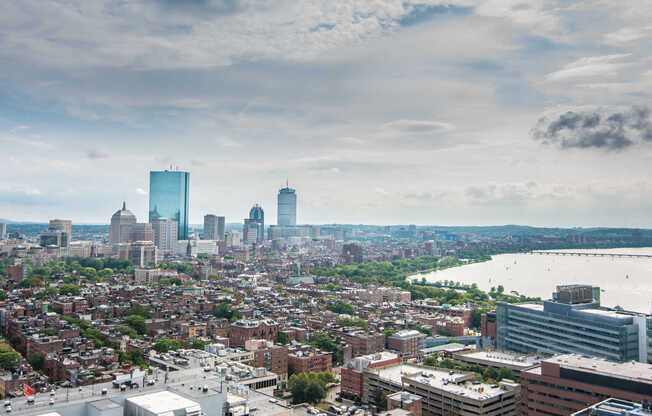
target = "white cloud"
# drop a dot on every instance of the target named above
(418, 126)
(590, 67)
(141, 191)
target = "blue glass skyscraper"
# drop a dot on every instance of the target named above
(168, 198)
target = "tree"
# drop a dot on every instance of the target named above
(504, 372)
(490, 373)
(137, 322)
(283, 338)
(36, 361)
(69, 289)
(341, 308)
(3, 295)
(309, 387)
(140, 311)
(9, 358)
(164, 345)
(431, 360)
(198, 344)
(128, 331)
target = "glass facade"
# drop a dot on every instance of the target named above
(287, 207)
(545, 330)
(168, 198)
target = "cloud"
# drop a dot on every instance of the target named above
(226, 142)
(381, 191)
(609, 129)
(95, 154)
(418, 126)
(590, 67)
(141, 191)
(627, 35)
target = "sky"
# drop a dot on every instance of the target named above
(428, 112)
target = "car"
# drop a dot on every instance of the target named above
(7, 403)
(104, 392)
(30, 400)
(51, 402)
(253, 409)
(150, 382)
(335, 409)
(273, 401)
(338, 399)
(8, 409)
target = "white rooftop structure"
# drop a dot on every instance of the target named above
(164, 403)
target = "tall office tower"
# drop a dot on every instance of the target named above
(121, 223)
(165, 234)
(168, 198)
(141, 231)
(287, 207)
(210, 227)
(64, 226)
(221, 228)
(257, 216)
(3, 231)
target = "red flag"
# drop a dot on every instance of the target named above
(28, 390)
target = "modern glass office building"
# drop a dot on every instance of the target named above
(572, 324)
(287, 207)
(168, 198)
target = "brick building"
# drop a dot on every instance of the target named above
(352, 377)
(304, 359)
(363, 343)
(244, 329)
(567, 383)
(272, 357)
(407, 343)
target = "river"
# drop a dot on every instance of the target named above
(623, 281)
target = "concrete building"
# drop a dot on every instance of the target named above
(3, 231)
(141, 231)
(572, 322)
(568, 383)
(121, 223)
(210, 227)
(407, 343)
(287, 207)
(442, 391)
(165, 234)
(64, 226)
(142, 253)
(406, 401)
(497, 360)
(616, 407)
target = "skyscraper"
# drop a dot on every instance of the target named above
(64, 226)
(168, 198)
(165, 234)
(221, 228)
(3, 231)
(141, 231)
(210, 227)
(287, 207)
(121, 223)
(257, 218)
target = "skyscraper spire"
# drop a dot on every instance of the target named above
(124, 206)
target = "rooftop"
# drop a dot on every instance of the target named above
(459, 383)
(632, 370)
(513, 360)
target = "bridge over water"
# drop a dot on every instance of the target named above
(587, 254)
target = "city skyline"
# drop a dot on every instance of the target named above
(532, 117)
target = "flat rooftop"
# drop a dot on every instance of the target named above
(631, 370)
(446, 380)
(502, 358)
(163, 402)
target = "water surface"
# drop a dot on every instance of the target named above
(624, 281)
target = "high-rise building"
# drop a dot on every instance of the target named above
(168, 198)
(3, 231)
(572, 322)
(210, 227)
(141, 231)
(287, 207)
(121, 223)
(63, 226)
(257, 218)
(165, 234)
(221, 228)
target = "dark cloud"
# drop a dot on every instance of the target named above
(203, 7)
(597, 128)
